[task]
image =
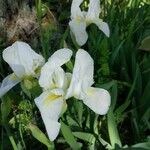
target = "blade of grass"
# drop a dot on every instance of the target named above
(112, 130)
(69, 137)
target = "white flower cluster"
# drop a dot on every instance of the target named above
(57, 85)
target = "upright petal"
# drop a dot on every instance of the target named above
(21, 55)
(9, 82)
(82, 77)
(78, 28)
(98, 100)
(60, 57)
(94, 10)
(50, 106)
(19, 70)
(67, 81)
(52, 75)
(75, 9)
(103, 26)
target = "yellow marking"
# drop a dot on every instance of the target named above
(78, 19)
(54, 86)
(50, 98)
(13, 77)
(90, 91)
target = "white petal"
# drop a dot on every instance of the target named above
(103, 26)
(20, 55)
(67, 81)
(75, 9)
(52, 127)
(60, 57)
(94, 10)
(82, 77)
(19, 70)
(50, 106)
(9, 82)
(78, 28)
(98, 100)
(52, 75)
(58, 78)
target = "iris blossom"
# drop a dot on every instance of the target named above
(59, 86)
(81, 19)
(54, 82)
(97, 99)
(23, 61)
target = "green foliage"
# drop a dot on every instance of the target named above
(40, 136)
(69, 137)
(121, 66)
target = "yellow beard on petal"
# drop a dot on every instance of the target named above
(50, 98)
(90, 91)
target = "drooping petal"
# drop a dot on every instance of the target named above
(78, 28)
(82, 77)
(98, 100)
(75, 9)
(52, 75)
(20, 55)
(103, 26)
(9, 82)
(50, 106)
(94, 10)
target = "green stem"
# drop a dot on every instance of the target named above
(64, 37)
(20, 132)
(10, 137)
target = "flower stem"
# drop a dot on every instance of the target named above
(10, 137)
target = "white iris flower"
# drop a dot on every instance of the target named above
(54, 82)
(97, 99)
(81, 19)
(59, 86)
(23, 61)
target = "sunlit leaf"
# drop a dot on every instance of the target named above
(40, 136)
(69, 137)
(112, 129)
(84, 136)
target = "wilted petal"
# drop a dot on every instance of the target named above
(94, 10)
(75, 9)
(103, 26)
(82, 77)
(9, 82)
(78, 28)
(98, 100)
(20, 55)
(50, 106)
